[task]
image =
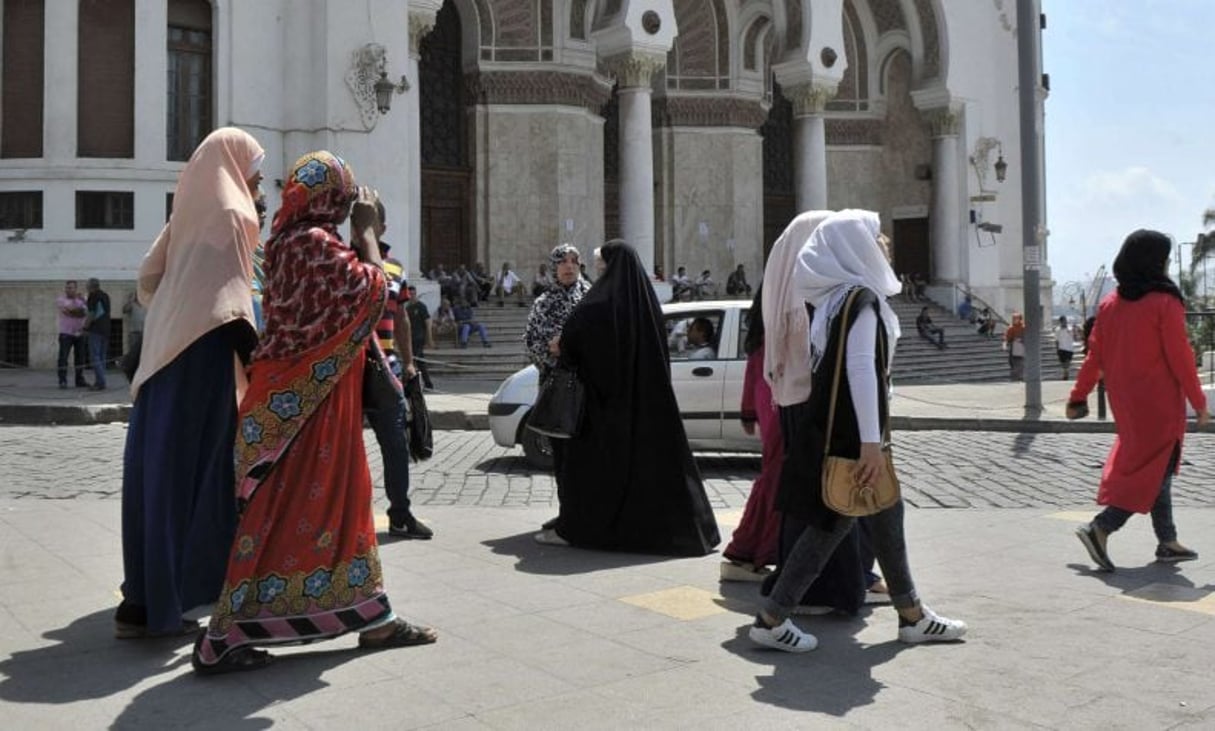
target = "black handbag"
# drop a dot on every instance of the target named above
(421, 437)
(557, 413)
(381, 389)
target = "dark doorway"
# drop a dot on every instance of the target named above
(912, 252)
(447, 177)
(780, 196)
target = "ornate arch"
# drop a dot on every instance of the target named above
(699, 60)
(853, 92)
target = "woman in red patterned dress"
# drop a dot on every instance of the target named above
(304, 564)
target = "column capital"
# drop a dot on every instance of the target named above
(943, 121)
(634, 69)
(809, 99)
(421, 23)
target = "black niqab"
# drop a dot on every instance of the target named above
(1141, 264)
(629, 482)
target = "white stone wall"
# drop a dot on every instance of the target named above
(709, 206)
(542, 169)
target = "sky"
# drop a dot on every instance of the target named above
(1130, 125)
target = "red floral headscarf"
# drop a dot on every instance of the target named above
(319, 192)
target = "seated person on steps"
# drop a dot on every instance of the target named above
(929, 331)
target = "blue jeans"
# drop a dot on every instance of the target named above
(805, 561)
(466, 329)
(97, 353)
(388, 423)
(1112, 518)
(74, 344)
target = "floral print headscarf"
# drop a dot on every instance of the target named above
(318, 192)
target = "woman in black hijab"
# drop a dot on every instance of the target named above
(629, 481)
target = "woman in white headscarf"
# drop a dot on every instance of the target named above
(844, 253)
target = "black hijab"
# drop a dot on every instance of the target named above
(628, 481)
(755, 322)
(1141, 264)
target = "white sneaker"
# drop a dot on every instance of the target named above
(784, 636)
(932, 628)
(731, 571)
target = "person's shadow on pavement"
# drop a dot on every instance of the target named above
(87, 663)
(188, 699)
(534, 558)
(1168, 583)
(833, 679)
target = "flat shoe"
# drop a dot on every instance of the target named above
(403, 634)
(550, 537)
(237, 661)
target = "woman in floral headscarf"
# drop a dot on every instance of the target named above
(304, 564)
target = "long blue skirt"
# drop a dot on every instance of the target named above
(178, 483)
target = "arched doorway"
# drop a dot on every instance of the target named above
(446, 174)
(780, 194)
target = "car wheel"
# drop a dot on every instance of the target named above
(537, 449)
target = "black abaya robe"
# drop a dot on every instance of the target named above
(629, 482)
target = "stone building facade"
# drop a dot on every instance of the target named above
(695, 129)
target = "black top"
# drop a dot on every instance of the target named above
(418, 314)
(628, 480)
(98, 306)
(800, 492)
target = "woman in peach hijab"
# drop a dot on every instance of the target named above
(178, 484)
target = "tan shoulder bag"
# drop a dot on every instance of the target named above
(841, 492)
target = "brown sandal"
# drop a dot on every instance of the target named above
(403, 634)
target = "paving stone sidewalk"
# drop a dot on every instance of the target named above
(939, 469)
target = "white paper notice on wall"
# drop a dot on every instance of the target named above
(703, 228)
(569, 224)
(1032, 257)
(730, 244)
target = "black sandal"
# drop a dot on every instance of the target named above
(403, 634)
(237, 661)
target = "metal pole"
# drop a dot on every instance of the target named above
(1033, 229)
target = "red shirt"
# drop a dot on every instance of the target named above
(1141, 350)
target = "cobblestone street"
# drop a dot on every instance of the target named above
(938, 469)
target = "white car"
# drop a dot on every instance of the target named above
(708, 385)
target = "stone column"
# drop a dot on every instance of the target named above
(810, 145)
(421, 22)
(943, 222)
(634, 72)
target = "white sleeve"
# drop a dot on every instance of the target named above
(862, 378)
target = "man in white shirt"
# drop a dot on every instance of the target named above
(508, 283)
(681, 286)
(1065, 346)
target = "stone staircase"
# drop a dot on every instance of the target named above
(505, 326)
(968, 357)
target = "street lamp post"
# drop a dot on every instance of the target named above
(1033, 228)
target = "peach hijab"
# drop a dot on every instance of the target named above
(197, 275)
(786, 322)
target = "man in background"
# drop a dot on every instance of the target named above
(71, 310)
(97, 326)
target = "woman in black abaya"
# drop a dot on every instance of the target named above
(629, 481)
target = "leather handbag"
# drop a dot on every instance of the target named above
(558, 411)
(841, 491)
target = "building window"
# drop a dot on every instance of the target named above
(189, 90)
(21, 209)
(105, 92)
(105, 209)
(14, 343)
(21, 78)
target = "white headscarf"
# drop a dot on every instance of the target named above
(786, 324)
(843, 253)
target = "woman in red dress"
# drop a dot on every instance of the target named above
(1139, 346)
(304, 565)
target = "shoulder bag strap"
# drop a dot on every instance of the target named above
(839, 366)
